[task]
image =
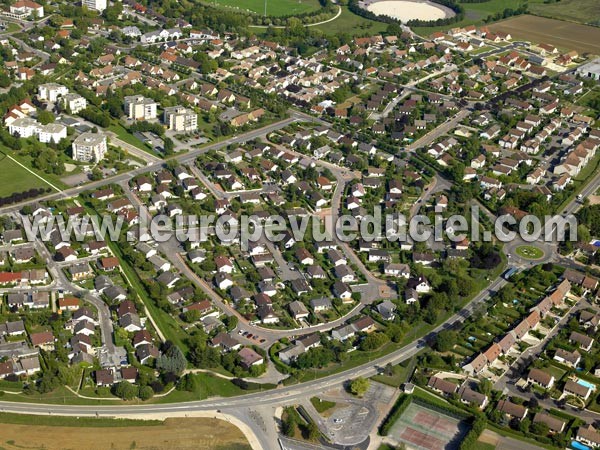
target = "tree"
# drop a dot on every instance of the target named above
(445, 340)
(359, 386)
(191, 315)
(288, 424)
(312, 431)
(45, 117)
(540, 428)
(231, 322)
(373, 341)
(146, 393)
(125, 390)
(172, 360)
(485, 386)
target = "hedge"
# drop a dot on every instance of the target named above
(470, 440)
(397, 410)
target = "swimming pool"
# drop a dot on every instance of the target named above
(579, 446)
(586, 384)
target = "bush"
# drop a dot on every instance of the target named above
(397, 410)
(146, 393)
(470, 440)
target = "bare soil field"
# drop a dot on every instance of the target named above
(564, 35)
(181, 434)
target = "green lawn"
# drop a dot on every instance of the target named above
(321, 405)
(485, 446)
(65, 421)
(16, 179)
(475, 13)
(129, 138)
(274, 8)
(582, 11)
(351, 24)
(167, 324)
(529, 252)
(208, 386)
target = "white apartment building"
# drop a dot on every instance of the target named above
(74, 102)
(89, 147)
(24, 127)
(96, 5)
(170, 34)
(52, 132)
(138, 107)
(178, 118)
(51, 91)
(25, 8)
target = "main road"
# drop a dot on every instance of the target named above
(279, 396)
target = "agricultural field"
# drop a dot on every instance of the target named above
(197, 434)
(16, 179)
(581, 11)
(274, 7)
(564, 35)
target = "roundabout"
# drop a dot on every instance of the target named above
(529, 252)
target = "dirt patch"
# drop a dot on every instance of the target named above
(564, 35)
(594, 199)
(182, 434)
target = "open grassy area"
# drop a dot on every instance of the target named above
(582, 11)
(485, 446)
(68, 421)
(475, 13)
(209, 386)
(350, 23)
(321, 405)
(529, 252)
(16, 179)
(129, 138)
(167, 324)
(274, 8)
(180, 433)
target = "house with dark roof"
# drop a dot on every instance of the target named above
(512, 409)
(442, 386)
(554, 424)
(541, 378)
(471, 397)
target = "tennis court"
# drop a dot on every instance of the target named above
(424, 429)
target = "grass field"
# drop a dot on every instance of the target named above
(582, 11)
(129, 138)
(321, 405)
(66, 421)
(16, 179)
(351, 24)
(274, 7)
(564, 35)
(205, 434)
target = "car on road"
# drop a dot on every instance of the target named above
(262, 340)
(249, 335)
(338, 420)
(241, 332)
